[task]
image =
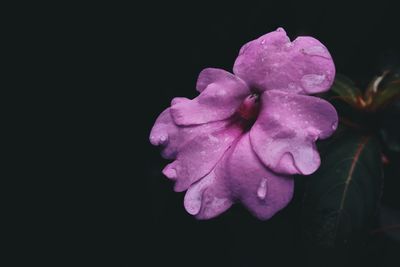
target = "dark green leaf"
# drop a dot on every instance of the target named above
(393, 75)
(387, 95)
(346, 89)
(390, 128)
(341, 199)
(372, 87)
(389, 220)
(391, 141)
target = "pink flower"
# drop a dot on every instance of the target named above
(246, 133)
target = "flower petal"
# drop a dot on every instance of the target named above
(286, 129)
(211, 75)
(263, 192)
(197, 156)
(169, 136)
(208, 197)
(273, 62)
(217, 101)
(164, 133)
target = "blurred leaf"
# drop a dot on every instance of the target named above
(393, 75)
(346, 89)
(341, 200)
(390, 93)
(372, 88)
(390, 127)
(391, 138)
(389, 219)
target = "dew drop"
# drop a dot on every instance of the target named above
(158, 140)
(262, 189)
(292, 86)
(213, 139)
(334, 125)
(280, 29)
(163, 139)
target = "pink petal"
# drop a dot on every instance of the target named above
(168, 135)
(171, 137)
(263, 192)
(208, 197)
(217, 101)
(239, 176)
(211, 75)
(273, 62)
(200, 149)
(286, 129)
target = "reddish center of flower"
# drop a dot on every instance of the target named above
(249, 109)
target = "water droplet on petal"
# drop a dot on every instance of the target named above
(163, 139)
(312, 82)
(213, 139)
(262, 189)
(280, 29)
(262, 41)
(159, 140)
(334, 125)
(292, 86)
(313, 133)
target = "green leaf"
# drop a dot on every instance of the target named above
(341, 200)
(346, 89)
(391, 140)
(390, 129)
(393, 75)
(389, 219)
(372, 87)
(387, 95)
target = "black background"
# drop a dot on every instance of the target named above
(143, 56)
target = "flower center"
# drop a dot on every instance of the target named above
(249, 109)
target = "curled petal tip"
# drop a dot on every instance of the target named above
(177, 100)
(158, 140)
(169, 172)
(280, 29)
